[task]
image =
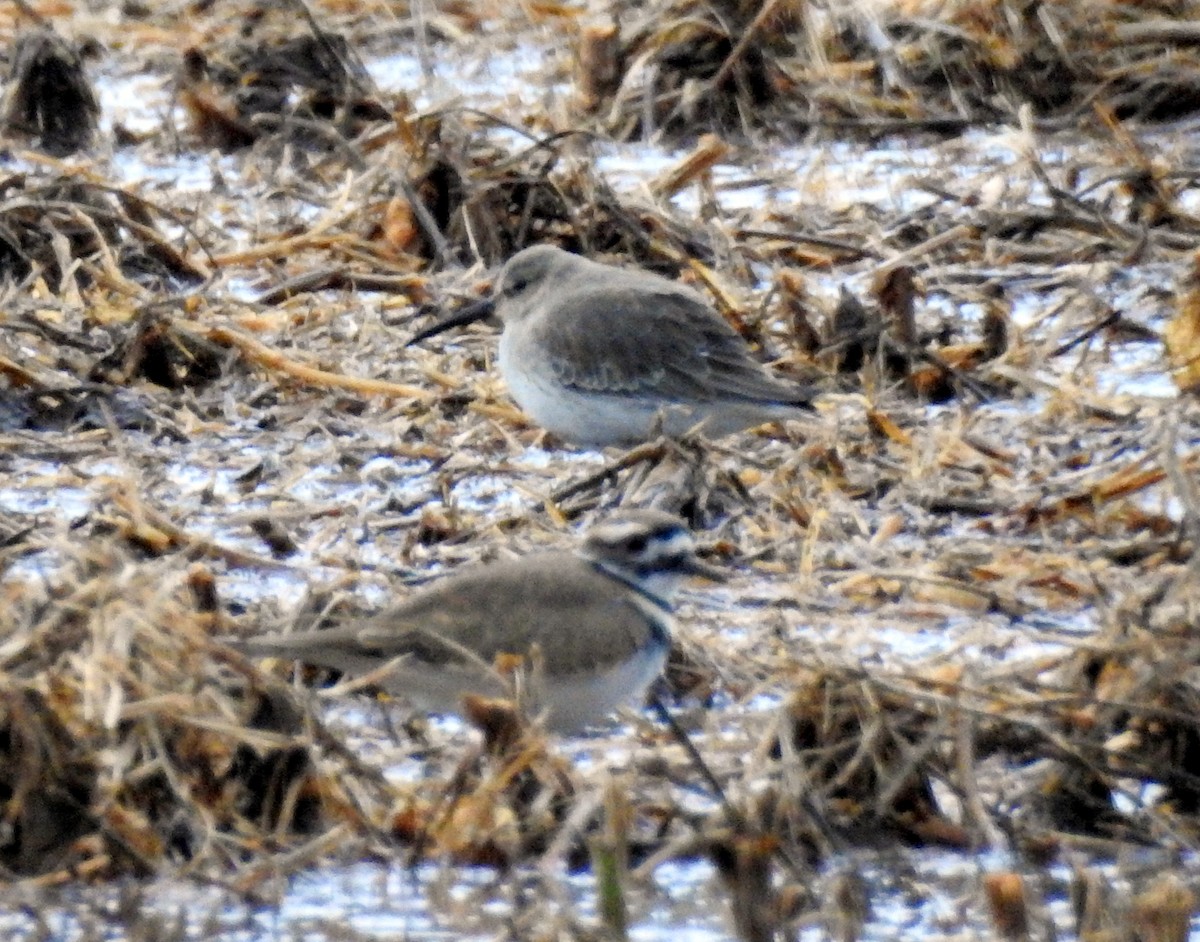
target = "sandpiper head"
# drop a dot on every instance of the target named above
(520, 279)
(650, 549)
(526, 273)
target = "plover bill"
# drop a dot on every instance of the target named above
(601, 355)
(596, 622)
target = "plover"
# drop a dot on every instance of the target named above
(596, 622)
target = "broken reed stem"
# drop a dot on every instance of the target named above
(264, 356)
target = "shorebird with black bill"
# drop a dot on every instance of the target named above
(594, 624)
(601, 355)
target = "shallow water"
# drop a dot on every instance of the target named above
(917, 895)
(913, 896)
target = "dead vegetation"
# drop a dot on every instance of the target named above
(49, 99)
(975, 474)
(677, 68)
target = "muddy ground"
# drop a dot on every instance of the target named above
(961, 623)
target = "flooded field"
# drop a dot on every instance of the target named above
(949, 688)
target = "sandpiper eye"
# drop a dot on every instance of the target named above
(514, 285)
(637, 544)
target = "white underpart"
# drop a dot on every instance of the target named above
(588, 418)
(577, 700)
(568, 702)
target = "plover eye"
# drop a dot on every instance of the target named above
(636, 544)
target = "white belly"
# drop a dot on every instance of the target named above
(598, 419)
(577, 417)
(569, 702)
(580, 700)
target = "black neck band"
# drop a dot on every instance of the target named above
(657, 600)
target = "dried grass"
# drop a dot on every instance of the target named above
(677, 68)
(132, 743)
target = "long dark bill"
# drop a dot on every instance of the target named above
(477, 311)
